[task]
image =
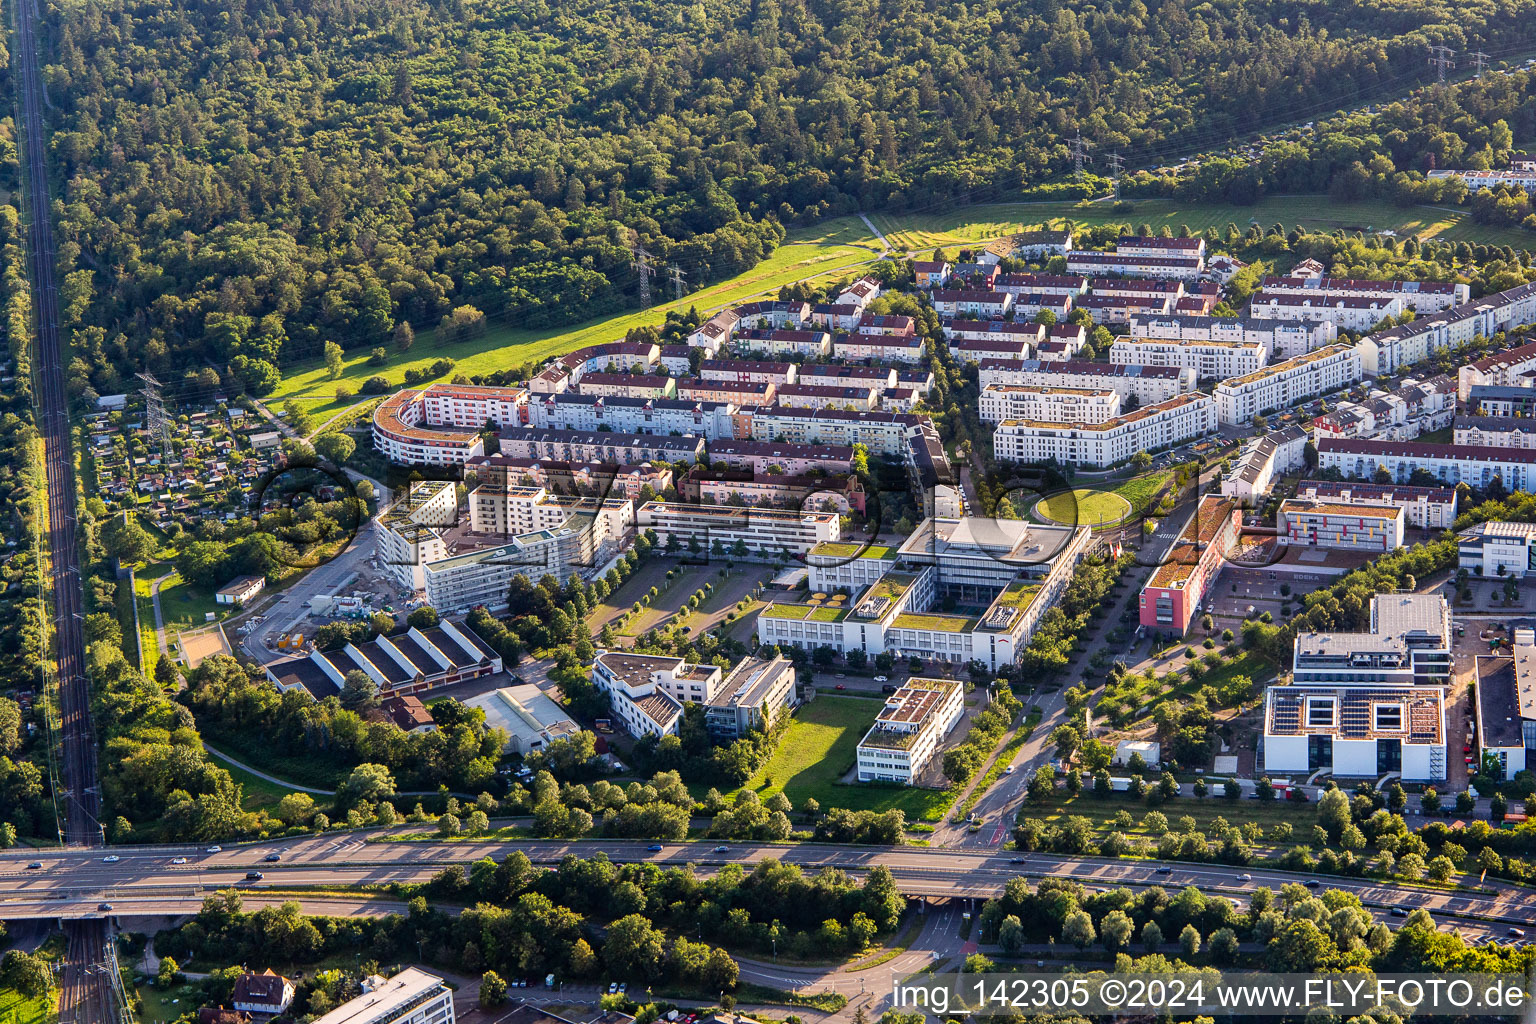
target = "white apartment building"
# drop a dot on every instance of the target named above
(834, 375)
(441, 425)
(1122, 309)
(1031, 304)
(410, 997)
(1284, 384)
(1211, 360)
(500, 507)
(1498, 549)
(715, 332)
(648, 692)
(1157, 245)
(885, 433)
(726, 530)
(1374, 529)
(1346, 313)
(1121, 264)
(1390, 350)
(1147, 384)
(1428, 508)
(1504, 369)
(1281, 339)
(909, 730)
(1138, 288)
(1494, 432)
(973, 302)
(628, 385)
(599, 446)
(1420, 296)
(1450, 464)
(412, 529)
(590, 413)
(1000, 402)
(763, 457)
(1111, 442)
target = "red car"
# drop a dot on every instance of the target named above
(840, 686)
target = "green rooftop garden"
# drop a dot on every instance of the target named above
(933, 621)
(805, 612)
(1018, 595)
(840, 549)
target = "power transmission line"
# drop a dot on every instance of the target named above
(1116, 162)
(1440, 60)
(677, 275)
(1480, 61)
(641, 263)
(154, 406)
(1079, 150)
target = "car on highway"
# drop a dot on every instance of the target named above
(273, 857)
(34, 865)
(721, 849)
(1399, 912)
(1009, 770)
(178, 860)
(103, 906)
(254, 876)
(655, 847)
(111, 858)
(1015, 860)
(1245, 877)
(840, 686)
(214, 849)
(1515, 933)
(1165, 870)
(1312, 883)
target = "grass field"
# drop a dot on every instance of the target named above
(831, 249)
(259, 794)
(16, 1008)
(820, 746)
(968, 225)
(1084, 507)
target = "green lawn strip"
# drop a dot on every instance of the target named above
(971, 224)
(836, 248)
(820, 746)
(1004, 758)
(1444, 436)
(1101, 812)
(898, 945)
(1086, 507)
(185, 607)
(259, 794)
(1141, 491)
(123, 601)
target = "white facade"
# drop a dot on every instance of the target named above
(1281, 339)
(410, 997)
(1428, 508)
(1108, 443)
(887, 348)
(762, 532)
(1449, 464)
(1147, 384)
(1344, 313)
(567, 411)
(1262, 459)
(482, 576)
(907, 732)
(1420, 296)
(1495, 549)
(1402, 414)
(1356, 731)
(884, 433)
(1495, 432)
(1477, 180)
(1374, 529)
(1284, 384)
(1000, 402)
(1126, 264)
(411, 530)
(989, 304)
(1211, 360)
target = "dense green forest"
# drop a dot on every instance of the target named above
(243, 181)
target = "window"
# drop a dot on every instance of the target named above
(1320, 711)
(1389, 717)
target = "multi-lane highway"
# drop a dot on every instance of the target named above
(150, 881)
(85, 994)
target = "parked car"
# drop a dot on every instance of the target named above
(613, 987)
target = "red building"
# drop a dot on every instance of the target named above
(1171, 599)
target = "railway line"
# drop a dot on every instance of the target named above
(85, 990)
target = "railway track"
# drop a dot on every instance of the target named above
(85, 995)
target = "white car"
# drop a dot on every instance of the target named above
(214, 849)
(111, 859)
(1245, 877)
(1008, 770)
(179, 860)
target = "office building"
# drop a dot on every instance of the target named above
(1408, 643)
(648, 692)
(1356, 731)
(413, 530)
(909, 729)
(1496, 549)
(1171, 598)
(410, 997)
(1506, 709)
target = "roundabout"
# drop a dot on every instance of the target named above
(1083, 507)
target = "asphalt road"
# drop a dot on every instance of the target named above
(84, 878)
(291, 609)
(84, 994)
